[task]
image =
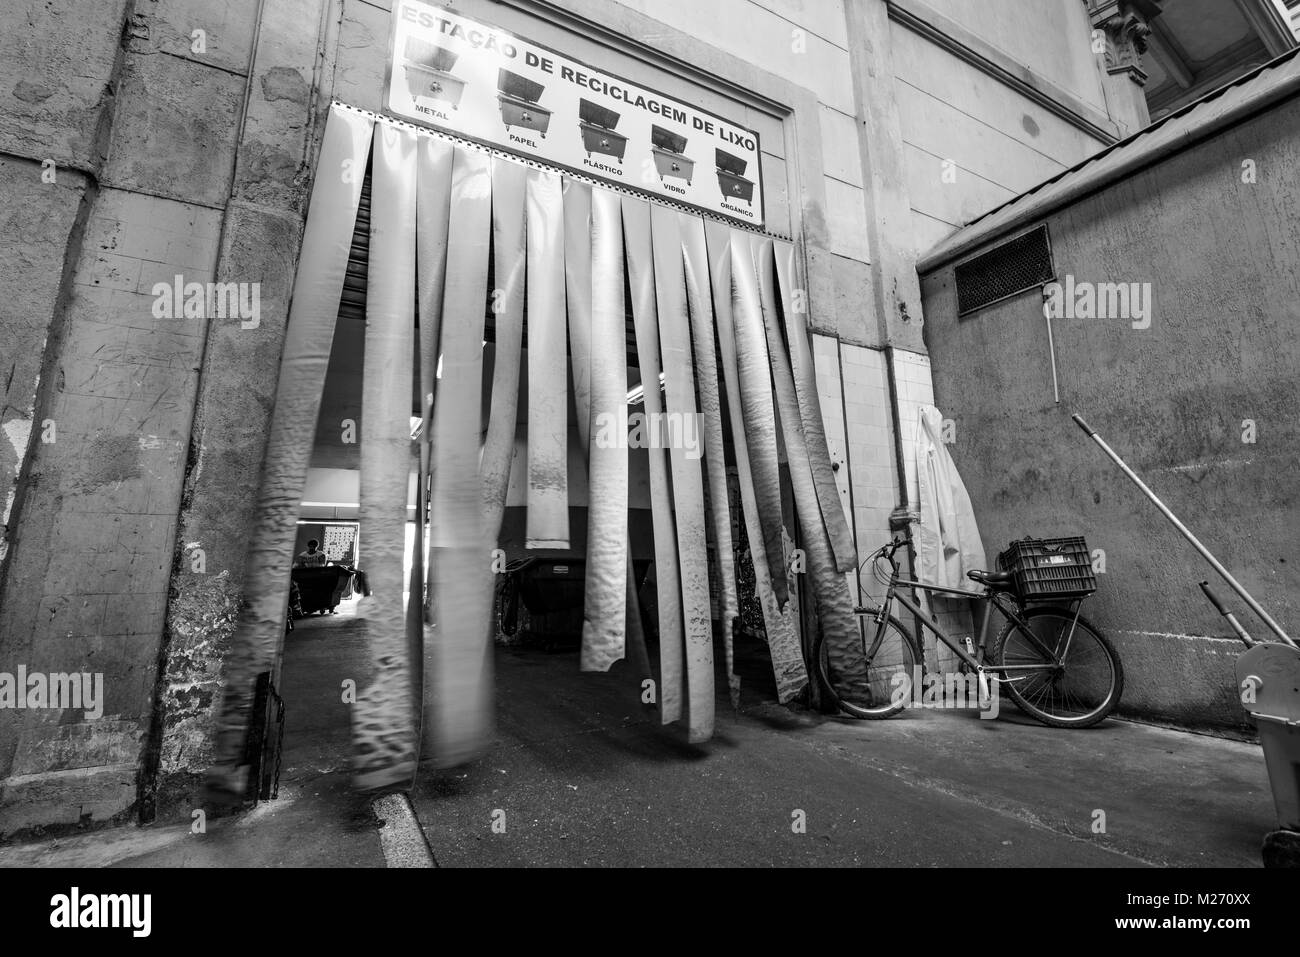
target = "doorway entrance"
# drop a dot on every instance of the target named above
(537, 326)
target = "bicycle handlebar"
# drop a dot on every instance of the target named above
(884, 551)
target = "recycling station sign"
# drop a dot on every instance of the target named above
(472, 80)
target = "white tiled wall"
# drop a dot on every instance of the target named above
(826, 366)
(869, 431)
(915, 389)
(830, 395)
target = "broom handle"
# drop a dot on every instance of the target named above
(1205, 552)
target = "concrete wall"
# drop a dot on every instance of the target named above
(85, 576)
(1175, 400)
(143, 123)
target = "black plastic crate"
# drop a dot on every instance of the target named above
(1050, 568)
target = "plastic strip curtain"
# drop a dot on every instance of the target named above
(636, 233)
(577, 280)
(604, 626)
(759, 422)
(810, 413)
(834, 603)
(383, 727)
(509, 186)
(688, 485)
(760, 414)
(779, 624)
(547, 520)
(432, 214)
(458, 699)
(593, 248)
(706, 382)
(309, 335)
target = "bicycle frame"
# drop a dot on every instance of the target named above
(1004, 604)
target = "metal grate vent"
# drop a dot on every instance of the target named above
(1022, 263)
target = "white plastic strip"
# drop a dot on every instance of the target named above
(548, 393)
(636, 233)
(383, 725)
(309, 336)
(688, 485)
(778, 624)
(604, 632)
(779, 618)
(706, 383)
(834, 603)
(458, 724)
(435, 156)
(432, 212)
(509, 185)
(759, 413)
(577, 277)
(794, 306)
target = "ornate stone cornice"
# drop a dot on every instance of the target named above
(1124, 28)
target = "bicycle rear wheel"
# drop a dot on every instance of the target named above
(885, 693)
(1076, 693)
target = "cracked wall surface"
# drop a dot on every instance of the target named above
(148, 135)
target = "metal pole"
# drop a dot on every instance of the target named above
(1051, 351)
(1205, 552)
(1248, 641)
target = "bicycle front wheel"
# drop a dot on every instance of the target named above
(1081, 679)
(885, 693)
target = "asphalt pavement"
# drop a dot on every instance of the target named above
(583, 774)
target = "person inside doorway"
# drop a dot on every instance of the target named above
(312, 557)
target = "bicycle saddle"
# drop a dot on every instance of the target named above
(998, 580)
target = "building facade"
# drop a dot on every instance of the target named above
(146, 140)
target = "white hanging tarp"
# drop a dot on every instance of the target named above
(948, 543)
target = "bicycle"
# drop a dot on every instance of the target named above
(1028, 657)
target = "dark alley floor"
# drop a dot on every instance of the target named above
(586, 778)
(583, 775)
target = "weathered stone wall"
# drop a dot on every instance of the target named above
(260, 243)
(150, 112)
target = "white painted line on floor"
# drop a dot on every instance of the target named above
(400, 835)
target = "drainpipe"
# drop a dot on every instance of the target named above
(906, 514)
